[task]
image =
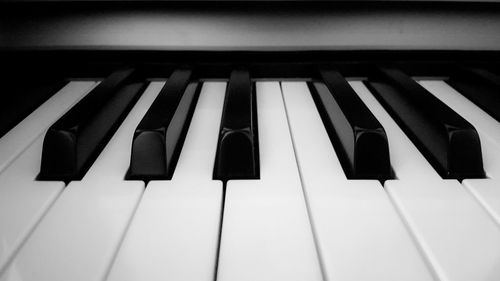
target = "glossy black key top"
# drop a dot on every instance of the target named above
(74, 141)
(479, 86)
(449, 142)
(237, 150)
(21, 97)
(356, 134)
(159, 136)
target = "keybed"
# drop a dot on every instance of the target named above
(244, 177)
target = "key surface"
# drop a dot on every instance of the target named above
(21, 97)
(448, 141)
(83, 229)
(485, 190)
(23, 200)
(74, 141)
(158, 137)
(479, 86)
(266, 233)
(237, 149)
(358, 137)
(355, 224)
(457, 236)
(181, 217)
(24, 133)
(487, 127)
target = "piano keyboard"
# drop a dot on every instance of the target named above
(382, 178)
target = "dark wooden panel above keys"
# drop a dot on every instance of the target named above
(449, 142)
(74, 141)
(480, 86)
(159, 136)
(237, 149)
(356, 134)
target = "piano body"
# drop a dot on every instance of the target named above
(227, 140)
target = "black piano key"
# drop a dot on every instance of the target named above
(357, 136)
(237, 149)
(74, 141)
(21, 97)
(449, 142)
(479, 86)
(159, 136)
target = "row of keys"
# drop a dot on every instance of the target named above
(449, 142)
(302, 219)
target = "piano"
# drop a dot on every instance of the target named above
(228, 140)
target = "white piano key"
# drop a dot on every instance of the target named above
(113, 162)
(355, 223)
(175, 232)
(79, 236)
(24, 133)
(312, 149)
(487, 191)
(266, 234)
(410, 163)
(457, 236)
(487, 127)
(198, 151)
(23, 200)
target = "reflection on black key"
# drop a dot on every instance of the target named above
(447, 140)
(356, 134)
(237, 149)
(479, 86)
(19, 97)
(73, 143)
(159, 137)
